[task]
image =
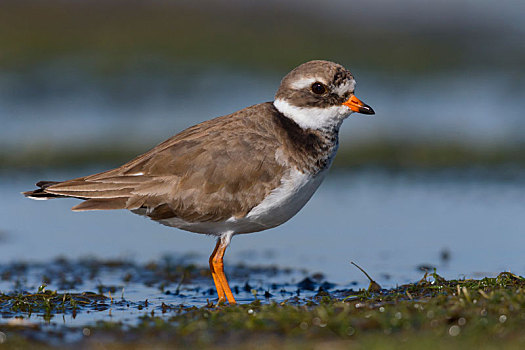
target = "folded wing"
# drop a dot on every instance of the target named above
(210, 172)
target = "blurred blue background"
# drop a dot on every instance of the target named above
(435, 178)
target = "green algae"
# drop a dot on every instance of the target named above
(49, 303)
(433, 307)
(433, 313)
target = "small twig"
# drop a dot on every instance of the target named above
(363, 271)
(373, 286)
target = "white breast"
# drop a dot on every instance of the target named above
(286, 200)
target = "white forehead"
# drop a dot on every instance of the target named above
(306, 82)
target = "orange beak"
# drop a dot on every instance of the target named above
(356, 105)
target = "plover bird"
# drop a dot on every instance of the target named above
(240, 173)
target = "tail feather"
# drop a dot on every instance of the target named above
(41, 193)
(45, 184)
(92, 200)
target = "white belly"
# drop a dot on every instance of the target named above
(278, 207)
(286, 200)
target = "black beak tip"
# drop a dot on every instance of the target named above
(366, 109)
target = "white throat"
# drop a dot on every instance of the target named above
(329, 118)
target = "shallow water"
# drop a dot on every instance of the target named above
(388, 223)
(465, 224)
(122, 291)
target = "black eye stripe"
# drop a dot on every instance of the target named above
(318, 88)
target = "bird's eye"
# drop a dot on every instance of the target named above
(318, 88)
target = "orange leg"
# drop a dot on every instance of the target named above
(217, 272)
(218, 286)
